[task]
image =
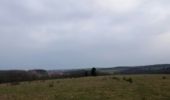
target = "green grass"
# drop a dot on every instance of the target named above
(143, 87)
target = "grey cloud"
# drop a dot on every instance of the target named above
(71, 33)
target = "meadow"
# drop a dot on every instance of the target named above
(115, 87)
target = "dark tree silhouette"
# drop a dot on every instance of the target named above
(93, 71)
(86, 73)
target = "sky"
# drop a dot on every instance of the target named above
(64, 34)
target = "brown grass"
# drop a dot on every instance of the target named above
(144, 87)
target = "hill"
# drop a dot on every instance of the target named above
(148, 69)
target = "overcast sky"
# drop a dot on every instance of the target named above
(61, 34)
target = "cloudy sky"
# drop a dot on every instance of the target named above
(56, 34)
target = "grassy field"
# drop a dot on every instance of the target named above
(141, 87)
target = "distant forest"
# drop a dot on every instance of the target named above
(10, 76)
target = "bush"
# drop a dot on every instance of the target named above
(164, 77)
(128, 79)
(116, 78)
(144, 98)
(51, 85)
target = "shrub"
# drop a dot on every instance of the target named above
(164, 77)
(116, 78)
(51, 85)
(128, 79)
(144, 98)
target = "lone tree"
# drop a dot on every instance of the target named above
(93, 71)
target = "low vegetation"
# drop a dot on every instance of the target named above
(119, 87)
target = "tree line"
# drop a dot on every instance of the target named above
(31, 75)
